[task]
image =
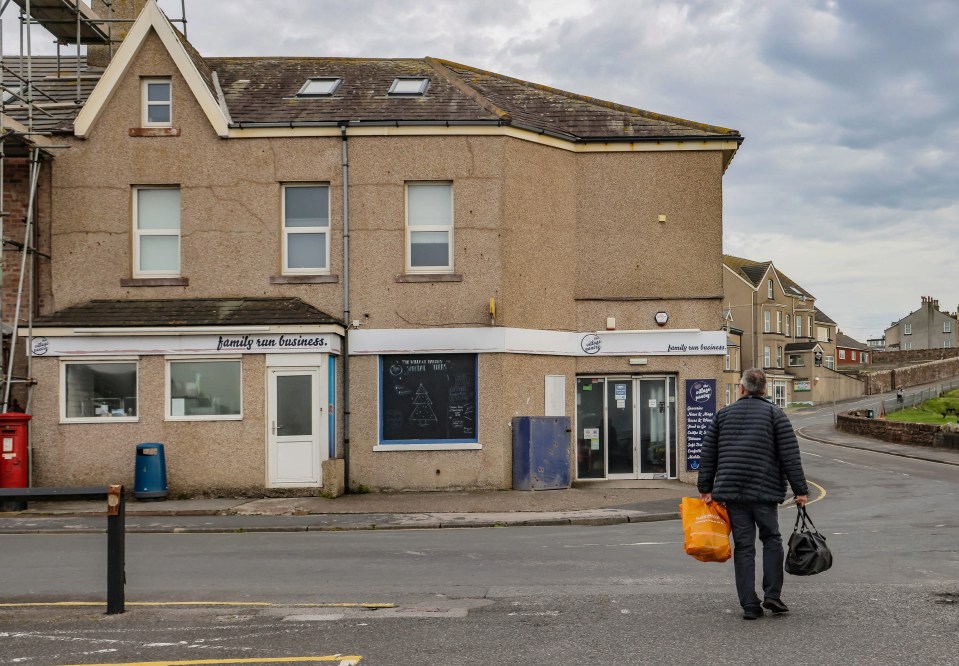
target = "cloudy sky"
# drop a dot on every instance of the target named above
(849, 176)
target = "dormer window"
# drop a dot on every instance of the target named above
(156, 103)
(408, 86)
(319, 87)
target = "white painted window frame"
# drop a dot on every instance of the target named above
(140, 233)
(767, 321)
(779, 321)
(769, 289)
(325, 231)
(787, 327)
(842, 354)
(167, 409)
(947, 327)
(66, 361)
(448, 268)
(779, 356)
(145, 103)
(767, 357)
(907, 329)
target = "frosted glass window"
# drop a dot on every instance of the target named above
(156, 231)
(429, 226)
(204, 389)
(306, 226)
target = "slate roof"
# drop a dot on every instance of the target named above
(801, 346)
(187, 312)
(823, 317)
(843, 340)
(49, 81)
(754, 271)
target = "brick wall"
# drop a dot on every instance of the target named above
(882, 381)
(16, 189)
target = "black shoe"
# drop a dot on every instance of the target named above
(752, 613)
(776, 606)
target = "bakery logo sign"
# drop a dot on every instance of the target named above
(40, 346)
(701, 392)
(591, 343)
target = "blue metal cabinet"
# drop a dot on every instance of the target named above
(541, 452)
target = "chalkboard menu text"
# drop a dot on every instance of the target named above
(700, 411)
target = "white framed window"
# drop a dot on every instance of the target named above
(798, 326)
(319, 87)
(306, 229)
(779, 356)
(842, 354)
(788, 325)
(409, 85)
(864, 357)
(822, 334)
(779, 321)
(429, 227)
(156, 231)
(796, 360)
(852, 355)
(907, 329)
(946, 343)
(766, 321)
(204, 389)
(156, 103)
(769, 289)
(947, 327)
(830, 362)
(907, 346)
(727, 359)
(766, 357)
(93, 391)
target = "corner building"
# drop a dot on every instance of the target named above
(449, 248)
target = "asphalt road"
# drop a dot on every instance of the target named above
(622, 594)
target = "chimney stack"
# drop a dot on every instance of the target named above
(99, 56)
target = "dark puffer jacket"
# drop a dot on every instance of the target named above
(749, 452)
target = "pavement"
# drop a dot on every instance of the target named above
(603, 502)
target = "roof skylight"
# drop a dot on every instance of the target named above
(319, 87)
(10, 92)
(409, 86)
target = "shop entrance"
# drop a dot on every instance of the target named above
(626, 427)
(296, 441)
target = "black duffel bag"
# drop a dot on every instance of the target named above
(808, 553)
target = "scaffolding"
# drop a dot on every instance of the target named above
(30, 115)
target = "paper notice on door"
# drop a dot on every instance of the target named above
(592, 434)
(652, 403)
(621, 404)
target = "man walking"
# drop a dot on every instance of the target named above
(749, 452)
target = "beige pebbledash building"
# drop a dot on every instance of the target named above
(283, 267)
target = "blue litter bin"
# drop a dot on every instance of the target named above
(149, 480)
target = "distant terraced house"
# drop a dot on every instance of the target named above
(356, 271)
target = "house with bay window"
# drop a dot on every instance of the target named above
(304, 271)
(784, 333)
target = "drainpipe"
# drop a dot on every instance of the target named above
(346, 310)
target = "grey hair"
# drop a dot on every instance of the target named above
(754, 381)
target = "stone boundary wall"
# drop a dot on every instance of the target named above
(882, 381)
(857, 422)
(913, 356)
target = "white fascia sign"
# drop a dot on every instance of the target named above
(146, 345)
(529, 341)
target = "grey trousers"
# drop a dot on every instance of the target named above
(744, 518)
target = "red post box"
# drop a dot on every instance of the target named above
(14, 453)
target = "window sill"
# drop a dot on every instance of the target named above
(156, 282)
(430, 277)
(428, 447)
(101, 419)
(154, 131)
(304, 279)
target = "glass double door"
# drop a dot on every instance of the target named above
(625, 427)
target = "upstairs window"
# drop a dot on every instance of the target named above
(306, 229)
(319, 87)
(779, 321)
(156, 231)
(766, 319)
(429, 227)
(842, 355)
(907, 329)
(947, 327)
(769, 289)
(766, 357)
(788, 325)
(156, 103)
(406, 86)
(798, 326)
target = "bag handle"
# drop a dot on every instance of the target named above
(802, 513)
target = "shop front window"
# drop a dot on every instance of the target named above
(204, 390)
(99, 390)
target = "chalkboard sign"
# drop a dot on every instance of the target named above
(700, 411)
(428, 398)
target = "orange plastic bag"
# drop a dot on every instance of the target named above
(706, 530)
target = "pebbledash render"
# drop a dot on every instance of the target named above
(285, 268)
